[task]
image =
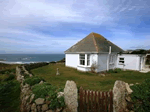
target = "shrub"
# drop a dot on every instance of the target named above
(33, 80)
(46, 89)
(10, 96)
(35, 65)
(93, 67)
(10, 77)
(141, 96)
(116, 70)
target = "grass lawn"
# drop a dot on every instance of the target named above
(87, 80)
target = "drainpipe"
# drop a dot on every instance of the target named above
(108, 58)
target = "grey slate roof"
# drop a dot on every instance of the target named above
(93, 43)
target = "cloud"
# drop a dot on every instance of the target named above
(34, 23)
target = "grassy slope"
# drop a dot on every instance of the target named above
(87, 80)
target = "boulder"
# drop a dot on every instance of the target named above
(41, 82)
(33, 107)
(71, 95)
(32, 97)
(44, 107)
(60, 94)
(49, 111)
(39, 108)
(129, 90)
(119, 92)
(131, 84)
(39, 101)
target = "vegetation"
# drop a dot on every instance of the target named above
(9, 92)
(35, 65)
(116, 70)
(49, 91)
(87, 80)
(141, 96)
(4, 66)
(33, 80)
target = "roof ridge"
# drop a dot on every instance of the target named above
(95, 44)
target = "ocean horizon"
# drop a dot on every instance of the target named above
(29, 58)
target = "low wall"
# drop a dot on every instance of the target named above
(42, 104)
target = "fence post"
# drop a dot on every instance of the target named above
(70, 96)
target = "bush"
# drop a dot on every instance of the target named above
(10, 77)
(10, 96)
(35, 65)
(33, 80)
(48, 90)
(116, 70)
(141, 96)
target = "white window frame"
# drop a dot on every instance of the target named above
(86, 59)
(82, 59)
(121, 60)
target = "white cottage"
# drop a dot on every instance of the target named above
(95, 49)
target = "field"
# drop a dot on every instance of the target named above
(87, 80)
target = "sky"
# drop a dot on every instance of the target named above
(53, 26)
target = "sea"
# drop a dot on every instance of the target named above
(29, 58)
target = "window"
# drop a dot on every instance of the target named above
(82, 59)
(88, 59)
(121, 60)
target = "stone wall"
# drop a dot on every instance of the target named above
(121, 96)
(26, 96)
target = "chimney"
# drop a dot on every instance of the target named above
(109, 49)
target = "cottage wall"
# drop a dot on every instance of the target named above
(132, 62)
(72, 60)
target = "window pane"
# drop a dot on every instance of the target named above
(82, 56)
(121, 58)
(82, 62)
(121, 61)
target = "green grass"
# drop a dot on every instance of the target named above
(87, 80)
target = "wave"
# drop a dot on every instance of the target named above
(19, 62)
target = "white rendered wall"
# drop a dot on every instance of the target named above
(132, 62)
(102, 62)
(72, 60)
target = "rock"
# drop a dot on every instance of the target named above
(33, 107)
(44, 107)
(49, 111)
(41, 82)
(58, 110)
(128, 98)
(48, 102)
(57, 73)
(39, 108)
(137, 83)
(30, 75)
(119, 92)
(129, 90)
(131, 84)
(102, 75)
(60, 94)
(32, 97)
(71, 95)
(39, 101)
